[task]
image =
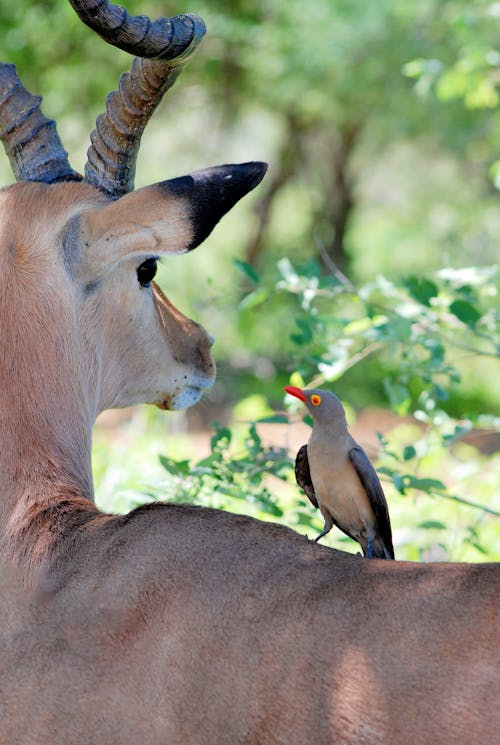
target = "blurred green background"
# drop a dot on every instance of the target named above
(365, 262)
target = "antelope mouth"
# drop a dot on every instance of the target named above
(188, 396)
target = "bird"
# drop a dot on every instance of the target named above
(338, 478)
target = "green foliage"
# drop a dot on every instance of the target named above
(470, 69)
(444, 496)
(380, 123)
(415, 328)
(224, 478)
(402, 331)
(413, 325)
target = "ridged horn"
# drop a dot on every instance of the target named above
(162, 48)
(165, 38)
(30, 139)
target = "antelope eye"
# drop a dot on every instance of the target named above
(146, 272)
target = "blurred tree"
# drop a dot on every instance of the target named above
(332, 77)
(326, 84)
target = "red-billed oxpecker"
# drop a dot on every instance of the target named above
(336, 475)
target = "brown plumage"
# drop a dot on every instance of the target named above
(337, 477)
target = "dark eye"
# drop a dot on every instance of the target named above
(146, 272)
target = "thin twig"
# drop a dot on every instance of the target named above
(454, 498)
(369, 349)
(332, 266)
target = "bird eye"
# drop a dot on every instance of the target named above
(146, 272)
(315, 399)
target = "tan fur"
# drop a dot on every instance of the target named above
(174, 624)
(68, 353)
(141, 222)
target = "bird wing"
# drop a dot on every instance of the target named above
(303, 475)
(373, 488)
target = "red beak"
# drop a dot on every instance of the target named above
(294, 391)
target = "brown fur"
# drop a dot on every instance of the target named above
(175, 624)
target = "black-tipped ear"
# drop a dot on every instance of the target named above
(212, 192)
(166, 218)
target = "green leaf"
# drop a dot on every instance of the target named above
(221, 439)
(248, 270)
(409, 452)
(398, 482)
(426, 485)
(271, 509)
(273, 419)
(386, 471)
(437, 353)
(422, 289)
(440, 393)
(399, 396)
(305, 328)
(253, 441)
(205, 462)
(359, 326)
(478, 547)
(255, 298)
(465, 312)
(304, 518)
(175, 467)
(432, 525)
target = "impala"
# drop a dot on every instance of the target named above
(176, 625)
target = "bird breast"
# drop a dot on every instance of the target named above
(337, 486)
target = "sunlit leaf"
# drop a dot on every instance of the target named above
(175, 467)
(253, 299)
(297, 380)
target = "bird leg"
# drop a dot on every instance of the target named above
(326, 527)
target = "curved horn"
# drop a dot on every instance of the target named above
(115, 141)
(30, 139)
(163, 47)
(166, 38)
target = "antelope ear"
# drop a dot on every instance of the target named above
(169, 217)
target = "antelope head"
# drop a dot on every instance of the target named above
(78, 306)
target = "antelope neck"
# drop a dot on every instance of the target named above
(45, 425)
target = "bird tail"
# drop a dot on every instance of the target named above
(381, 550)
(389, 553)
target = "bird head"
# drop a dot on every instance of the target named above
(325, 407)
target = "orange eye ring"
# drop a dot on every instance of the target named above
(315, 399)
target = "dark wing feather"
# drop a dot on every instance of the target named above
(303, 475)
(371, 483)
